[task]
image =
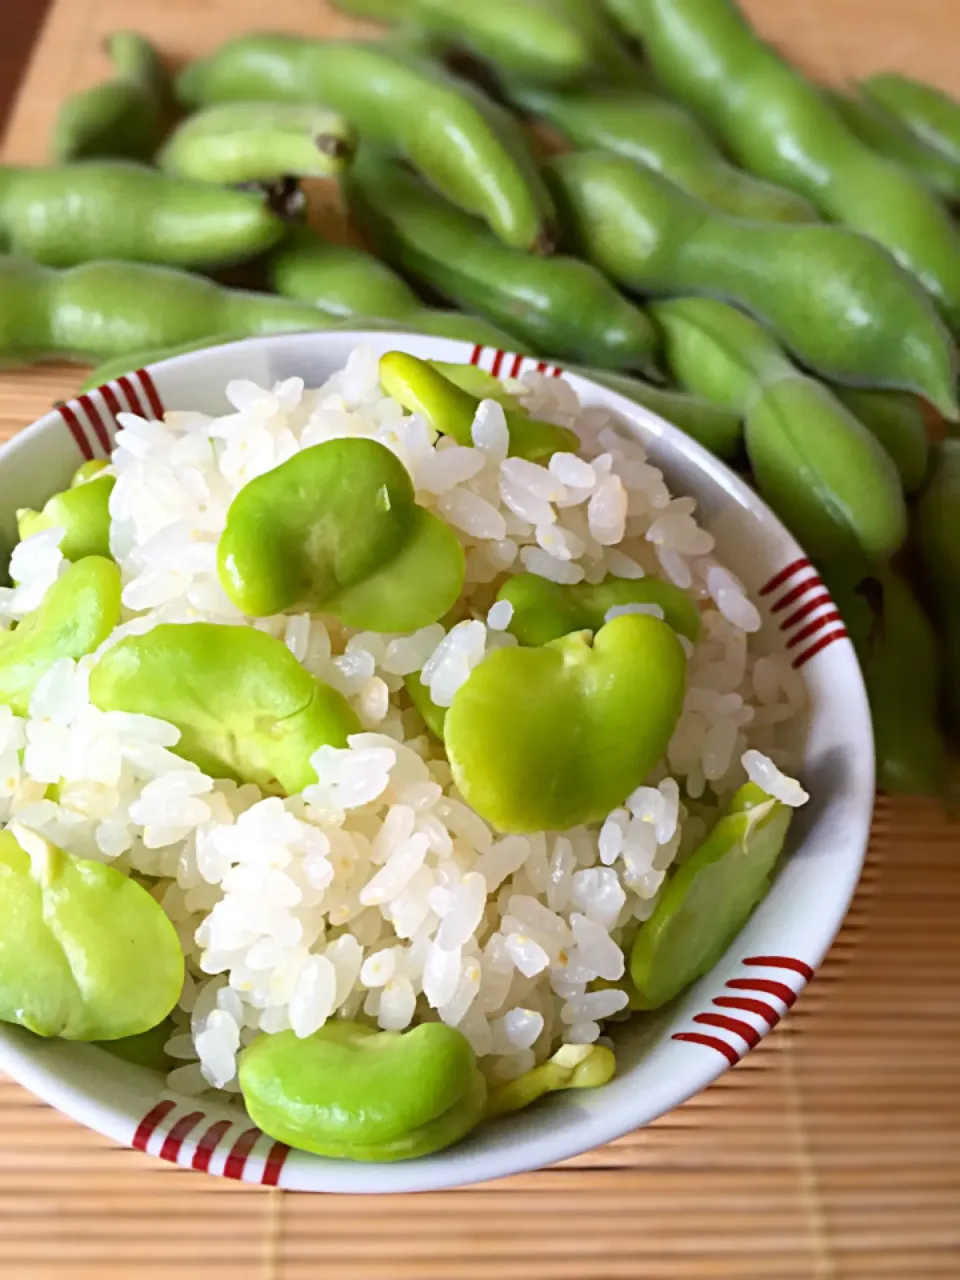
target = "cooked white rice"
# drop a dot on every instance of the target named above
(377, 893)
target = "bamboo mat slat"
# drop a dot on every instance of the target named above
(832, 1151)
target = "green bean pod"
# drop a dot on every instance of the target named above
(938, 543)
(820, 469)
(885, 132)
(528, 38)
(120, 117)
(102, 309)
(781, 127)
(833, 297)
(897, 420)
(235, 142)
(69, 214)
(557, 304)
(932, 114)
(652, 131)
(716, 427)
(466, 146)
(897, 649)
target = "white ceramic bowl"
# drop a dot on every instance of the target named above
(662, 1060)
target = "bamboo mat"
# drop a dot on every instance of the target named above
(833, 1150)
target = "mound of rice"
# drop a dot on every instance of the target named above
(378, 893)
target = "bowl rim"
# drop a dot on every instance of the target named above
(108, 1097)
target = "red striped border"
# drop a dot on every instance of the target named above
(814, 623)
(218, 1136)
(91, 418)
(510, 364)
(746, 1035)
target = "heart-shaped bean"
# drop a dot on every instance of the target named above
(336, 528)
(85, 952)
(709, 898)
(245, 707)
(547, 738)
(544, 611)
(359, 1094)
(82, 511)
(450, 407)
(77, 614)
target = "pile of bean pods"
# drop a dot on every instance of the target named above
(641, 189)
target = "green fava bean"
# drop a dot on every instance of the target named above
(573, 1066)
(653, 131)
(873, 326)
(433, 717)
(545, 611)
(928, 111)
(778, 125)
(421, 388)
(354, 1093)
(548, 738)
(471, 150)
(113, 209)
(122, 116)
(85, 952)
(897, 648)
(885, 132)
(78, 612)
(82, 511)
(106, 309)
(821, 470)
(713, 425)
(258, 141)
(559, 305)
(336, 527)
(245, 707)
(707, 901)
(938, 543)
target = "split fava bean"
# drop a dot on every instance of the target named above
(573, 1066)
(257, 142)
(245, 707)
(708, 899)
(545, 611)
(336, 527)
(778, 125)
(82, 511)
(560, 304)
(450, 409)
(508, 730)
(873, 326)
(472, 151)
(77, 614)
(121, 116)
(85, 952)
(820, 469)
(354, 1093)
(113, 209)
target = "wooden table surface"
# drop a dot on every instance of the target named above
(832, 1151)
